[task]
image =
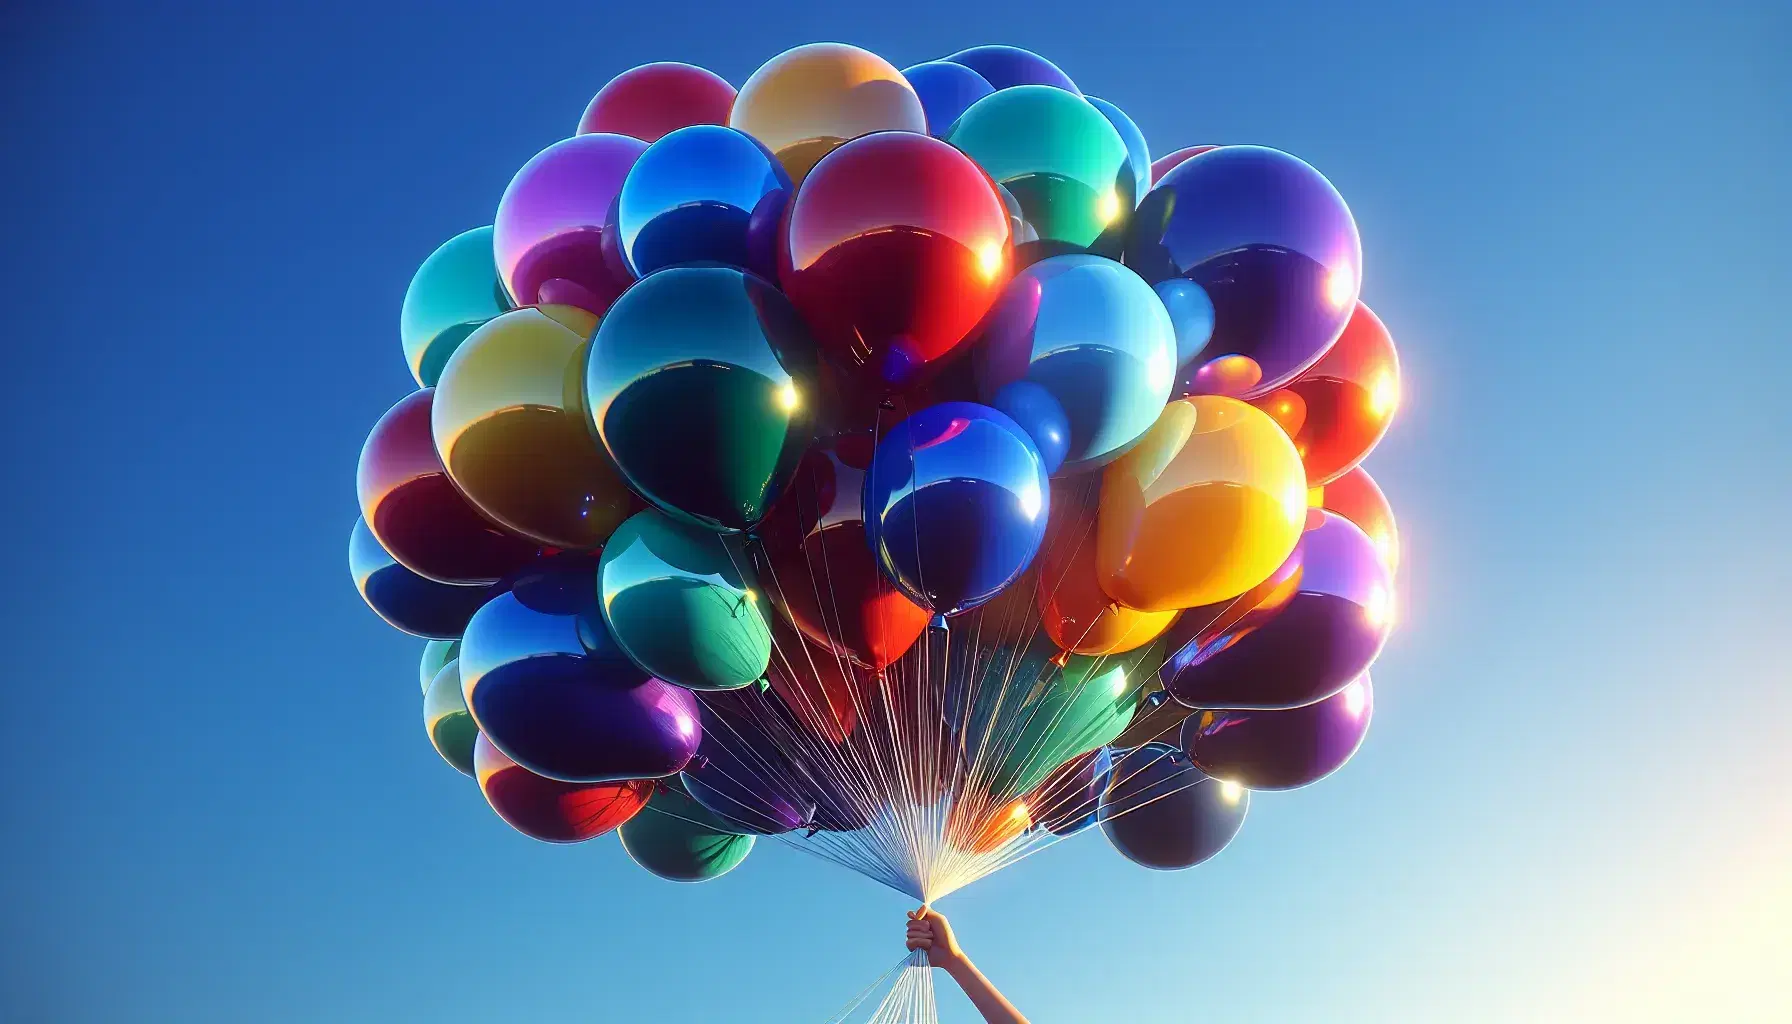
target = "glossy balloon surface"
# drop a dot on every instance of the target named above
(510, 425)
(809, 99)
(1338, 410)
(1357, 497)
(897, 246)
(407, 601)
(1066, 802)
(436, 653)
(820, 688)
(551, 810)
(453, 292)
(1165, 164)
(741, 772)
(956, 505)
(1324, 637)
(1041, 415)
(978, 829)
(1064, 162)
(447, 721)
(1191, 314)
(702, 194)
(1138, 152)
(677, 600)
(550, 687)
(1273, 245)
(1095, 336)
(1161, 812)
(1281, 749)
(1158, 720)
(417, 513)
(946, 90)
(1202, 509)
(653, 100)
(1078, 615)
(679, 840)
(700, 386)
(553, 236)
(1005, 67)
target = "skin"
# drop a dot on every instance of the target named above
(929, 930)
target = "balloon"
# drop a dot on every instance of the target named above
(741, 772)
(552, 689)
(819, 570)
(1160, 812)
(945, 90)
(677, 839)
(1281, 749)
(699, 386)
(1156, 721)
(897, 246)
(436, 653)
(979, 830)
(1200, 628)
(1065, 803)
(1005, 67)
(548, 809)
(702, 194)
(407, 601)
(1275, 248)
(956, 504)
(510, 424)
(1204, 508)
(1078, 615)
(1092, 333)
(553, 236)
(819, 688)
(809, 99)
(1191, 314)
(1320, 640)
(1138, 153)
(452, 293)
(415, 511)
(1356, 497)
(1164, 165)
(445, 718)
(1041, 415)
(654, 100)
(1337, 411)
(677, 602)
(1064, 163)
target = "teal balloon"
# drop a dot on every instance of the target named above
(1138, 152)
(436, 653)
(700, 383)
(678, 603)
(452, 294)
(679, 839)
(447, 720)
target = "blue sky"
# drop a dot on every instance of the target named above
(1572, 805)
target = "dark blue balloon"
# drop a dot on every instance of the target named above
(1138, 153)
(1068, 800)
(1041, 415)
(552, 690)
(741, 772)
(1161, 812)
(955, 505)
(1274, 247)
(407, 601)
(946, 90)
(1007, 66)
(702, 194)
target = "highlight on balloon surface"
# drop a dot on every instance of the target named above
(454, 292)
(702, 194)
(809, 99)
(1284, 749)
(1356, 497)
(1339, 408)
(552, 235)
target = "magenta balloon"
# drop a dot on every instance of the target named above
(1281, 749)
(554, 233)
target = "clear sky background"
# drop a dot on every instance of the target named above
(1573, 805)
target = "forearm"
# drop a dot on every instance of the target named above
(994, 1006)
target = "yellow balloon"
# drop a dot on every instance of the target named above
(807, 100)
(510, 423)
(1208, 503)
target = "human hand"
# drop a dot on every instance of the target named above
(929, 930)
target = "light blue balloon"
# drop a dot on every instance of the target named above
(1093, 334)
(1191, 314)
(1138, 153)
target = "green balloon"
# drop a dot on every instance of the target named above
(452, 293)
(445, 717)
(1061, 158)
(675, 598)
(675, 837)
(436, 653)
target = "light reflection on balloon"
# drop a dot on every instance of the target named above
(1338, 409)
(806, 101)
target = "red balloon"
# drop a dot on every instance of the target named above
(1356, 497)
(416, 513)
(819, 570)
(548, 809)
(656, 99)
(1337, 411)
(823, 693)
(896, 245)
(1164, 164)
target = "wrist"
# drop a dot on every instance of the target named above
(956, 964)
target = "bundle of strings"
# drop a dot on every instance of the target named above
(902, 995)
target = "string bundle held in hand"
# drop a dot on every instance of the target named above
(896, 463)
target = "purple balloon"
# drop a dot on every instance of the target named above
(1311, 647)
(1007, 66)
(1161, 812)
(1281, 749)
(740, 771)
(554, 235)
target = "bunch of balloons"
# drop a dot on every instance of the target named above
(898, 462)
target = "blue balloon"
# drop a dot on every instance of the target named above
(741, 773)
(955, 505)
(407, 601)
(946, 90)
(1041, 415)
(1191, 313)
(1161, 812)
(1094, 335)
(1007, 66)
(702, 194)
(1138, 153)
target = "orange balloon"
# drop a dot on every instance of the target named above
(1337, 411)
(1079, 616)
(1356, 497)
(987, 829)
(808, 100)
(1206, 506)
